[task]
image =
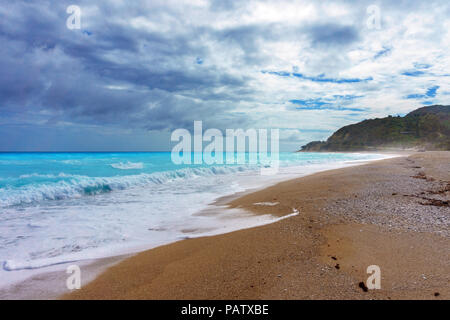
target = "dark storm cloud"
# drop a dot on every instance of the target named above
(71, 73)
(75, 72)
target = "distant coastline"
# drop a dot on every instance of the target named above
(426, 128)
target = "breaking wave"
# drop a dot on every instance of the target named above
(76, 186)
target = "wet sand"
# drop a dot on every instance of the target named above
(391, 213)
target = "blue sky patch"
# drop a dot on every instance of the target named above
(431, 92)
(413, 73)
(382, 53)
(318, 104)
(418, 65)
(319, 78)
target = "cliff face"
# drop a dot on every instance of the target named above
(425, 128)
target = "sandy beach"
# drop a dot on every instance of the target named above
(391, 213)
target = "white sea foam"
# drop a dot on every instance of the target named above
(128, 165)
(72, 162)
(270, 204)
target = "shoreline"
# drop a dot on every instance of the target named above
(49, 282)
(293, 258)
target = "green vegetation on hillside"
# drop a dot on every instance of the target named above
(425, 128)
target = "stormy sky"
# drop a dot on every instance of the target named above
(136, 70)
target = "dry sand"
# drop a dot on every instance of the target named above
(391, 213)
